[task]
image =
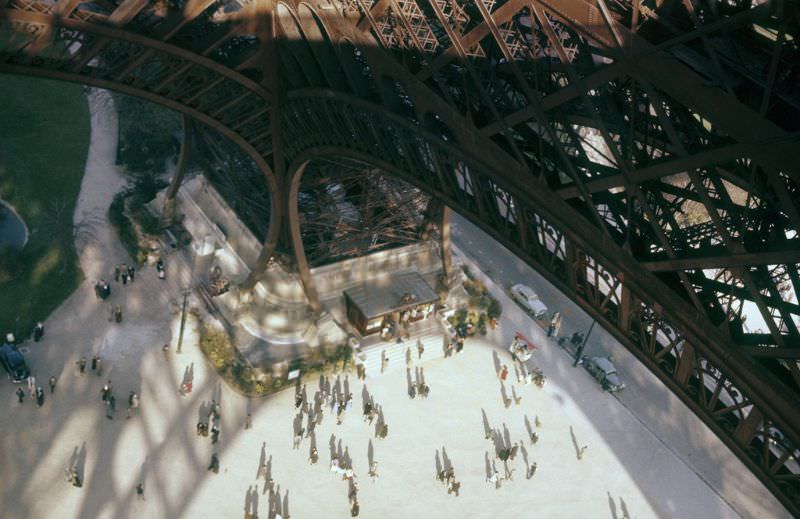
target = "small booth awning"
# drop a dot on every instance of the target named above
(401, 291)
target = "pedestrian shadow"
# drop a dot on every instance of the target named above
(248, 502)
(438, 464)
(332, 445)
(488, 465)
(624, 508)
(297, 424)
(286, 504)
(370, 452)
(524, 452)
(203, 411)
(346, 386)
(80, 462)
(267, 476)
(528, 427)
(262, 460)
(497, 440)
(143, 473)
(503, 394)
(574, 442)
(410, 384)
(506, 437)
(348, 461)
(612, 506)
(487, 429)
(496, 358)
(188, 374)
(365, 396)
(446, 460)
(312, 447)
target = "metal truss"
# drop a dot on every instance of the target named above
(348, 209)
(641, 154)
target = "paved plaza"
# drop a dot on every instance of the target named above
(626, 470)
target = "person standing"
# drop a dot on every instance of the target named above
(106, 393)
(31, 385)
(420, 349)
(116, 273)
(556, 324)
(140, 491)
(214, 465)
(20, 394)
(504, 373)
(38, 332)
(52, 384)
(581, 451)
(133, 402)
(118, 314)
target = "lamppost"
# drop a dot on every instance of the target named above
(582, 345)
(196, 250)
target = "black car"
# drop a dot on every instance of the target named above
(13, 362)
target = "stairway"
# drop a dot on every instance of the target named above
(431, 335)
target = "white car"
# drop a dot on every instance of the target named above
(525, 296)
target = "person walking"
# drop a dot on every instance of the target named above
(93, 366)
(82, 365)
(39, 396)
(133, 402)
(118, 314)
(20, 394)
(131, 273)
(31, 385)
(140, 491)
(420, 349)
(162, 273)
(38, 332)
(116, 273)
(52, 384)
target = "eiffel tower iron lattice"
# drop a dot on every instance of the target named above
(640, 154)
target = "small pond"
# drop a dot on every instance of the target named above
(13, 232)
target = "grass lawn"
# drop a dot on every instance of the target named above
(44, 138)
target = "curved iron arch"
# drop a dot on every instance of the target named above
(215, 92)
(676, 360)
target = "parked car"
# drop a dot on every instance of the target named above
(529, 300)
(603, 369)
(13, 362)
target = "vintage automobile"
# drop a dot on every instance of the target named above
(529, 300)
(521, 348)
(603, 369)
(13, 362)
